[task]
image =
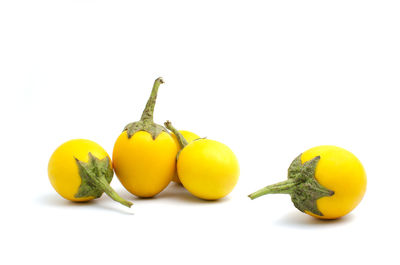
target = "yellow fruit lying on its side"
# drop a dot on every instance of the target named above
(340, 171)
(80, 170)
(326, 182)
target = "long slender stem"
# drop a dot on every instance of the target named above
(102, 182)
(148, 111)
(284, 187)
(181, 140)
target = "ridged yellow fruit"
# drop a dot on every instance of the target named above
(143, 165)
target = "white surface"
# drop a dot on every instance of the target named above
(268, 78)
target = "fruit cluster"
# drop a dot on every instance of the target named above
(146, 158)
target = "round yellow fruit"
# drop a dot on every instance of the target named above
(63, 170)
(340, 171)
(326, 182)
(208, 169)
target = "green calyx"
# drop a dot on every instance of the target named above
(146, 122)
(96, 176)
(301, 184)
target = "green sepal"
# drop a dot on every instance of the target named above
(146, 122)
(93, 169)
(144, 125)
(302, 186)
(308, 190)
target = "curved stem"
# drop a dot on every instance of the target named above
(96, 174)
(284, 187)
(148, 111)
(102, 182)
(181, 140)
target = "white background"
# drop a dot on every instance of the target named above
(268, 78)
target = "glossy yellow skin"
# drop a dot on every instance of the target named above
(340, 171)
(143, 165)
(63, 171)
(189, 137)
(208, 169)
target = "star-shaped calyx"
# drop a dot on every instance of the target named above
(96, 175)
(302, 186)
(146, 122)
